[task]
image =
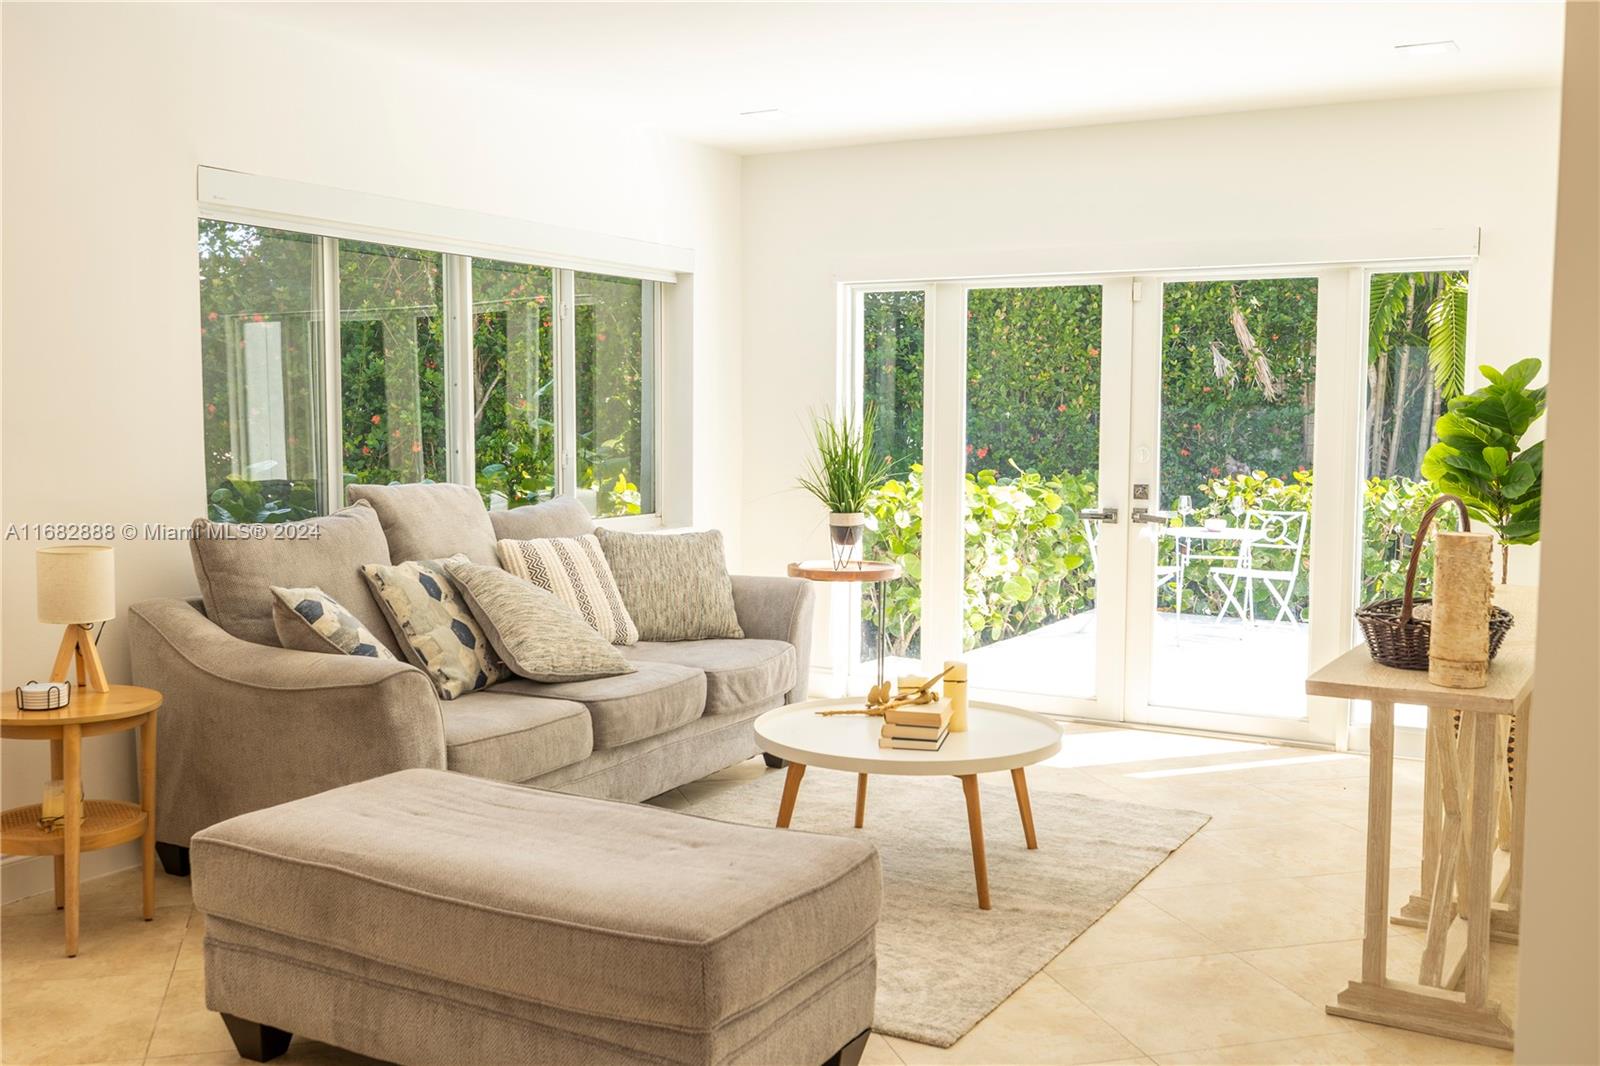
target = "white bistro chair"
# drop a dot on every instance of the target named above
(1283, 542)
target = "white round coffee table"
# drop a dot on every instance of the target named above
(997, 738)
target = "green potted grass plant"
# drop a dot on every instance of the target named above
(843, 473)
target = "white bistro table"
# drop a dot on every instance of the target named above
(997, 738)
(1186, 536)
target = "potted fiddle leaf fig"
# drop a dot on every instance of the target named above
(1479, 455)
(843, 473)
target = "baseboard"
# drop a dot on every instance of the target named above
(28, 875)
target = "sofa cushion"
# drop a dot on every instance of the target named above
(577, 906)
(576, 571)
(312, 620)
(431, 521)
(237, 570)
(563, 516)
(675, 585)
(740, 674)
(441, 636)
(512, 736)
(647, 703)
(537, 635)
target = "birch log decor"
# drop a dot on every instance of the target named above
(1463, 593)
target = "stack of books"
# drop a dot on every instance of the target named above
(920, 728)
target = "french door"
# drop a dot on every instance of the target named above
(1110, 492)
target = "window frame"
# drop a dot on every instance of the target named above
(461, 447)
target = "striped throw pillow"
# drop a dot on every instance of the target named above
(575, 571)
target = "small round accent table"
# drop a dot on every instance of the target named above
(861, 571)
(997, 738)
(104, 822)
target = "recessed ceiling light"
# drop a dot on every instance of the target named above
(761, 112)
(1427, 48)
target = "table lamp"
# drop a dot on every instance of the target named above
(77, 588)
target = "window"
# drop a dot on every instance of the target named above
(391, 364)
(892, 383)
(514, 382)
(437, 367)
(261, 358)
(613, 330)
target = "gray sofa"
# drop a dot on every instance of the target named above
(246, 724)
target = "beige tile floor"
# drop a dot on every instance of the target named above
(1225, 954)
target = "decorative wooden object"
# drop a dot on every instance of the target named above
(87, 824)
(77, 645)
(1463, 597)
(1461, 902)
(955, 689)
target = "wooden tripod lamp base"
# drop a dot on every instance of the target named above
(77, 643)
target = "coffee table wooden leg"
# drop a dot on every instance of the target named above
(791, 789)
(1019, 781)
(147, 800)
(861, 800)
(72, 831)
(58, 861)
(980, 862)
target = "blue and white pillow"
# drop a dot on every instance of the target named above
(435, 626)
(311, 620)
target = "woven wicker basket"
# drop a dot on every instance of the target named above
(1394, 635)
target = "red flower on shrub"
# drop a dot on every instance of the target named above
(211, 316)
(377, 419)
(1183, 451)
(1216, 470)
(1205, 388)
(1094, 353)
(365, 450)
(211, 408)
(983, 453)
(416, 446)
(257, 318)
(1061, 407)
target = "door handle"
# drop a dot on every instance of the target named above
(1155, 518)
(1107, 515)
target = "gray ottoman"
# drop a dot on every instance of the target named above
(429, 917)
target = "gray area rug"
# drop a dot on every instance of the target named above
(942, 963)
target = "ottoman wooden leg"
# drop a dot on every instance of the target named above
(256, 1042)
(850, 1054)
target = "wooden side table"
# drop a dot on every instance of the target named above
(105, 822)
(857, 572)
(1464, 907)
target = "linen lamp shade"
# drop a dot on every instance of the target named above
(77, 584)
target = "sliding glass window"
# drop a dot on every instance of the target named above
(261, 372)
(523, 380)
(514, 382)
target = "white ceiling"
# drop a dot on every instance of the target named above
(845, 73)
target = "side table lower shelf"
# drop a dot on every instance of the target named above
(106, 823)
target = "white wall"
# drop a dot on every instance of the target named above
(1134, 191)
(108, 109)
(1559, 957)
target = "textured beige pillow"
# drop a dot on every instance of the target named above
(574, 569)
(675, 585)
(537, 635)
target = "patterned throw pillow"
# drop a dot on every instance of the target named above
(312, 620)
(575, 570)
(676, 585)
(537, 635)
(438, 631)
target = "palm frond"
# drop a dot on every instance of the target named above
(1447, 336)
(1385, 305)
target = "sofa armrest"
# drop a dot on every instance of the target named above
(778, 608)
(244, 726)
